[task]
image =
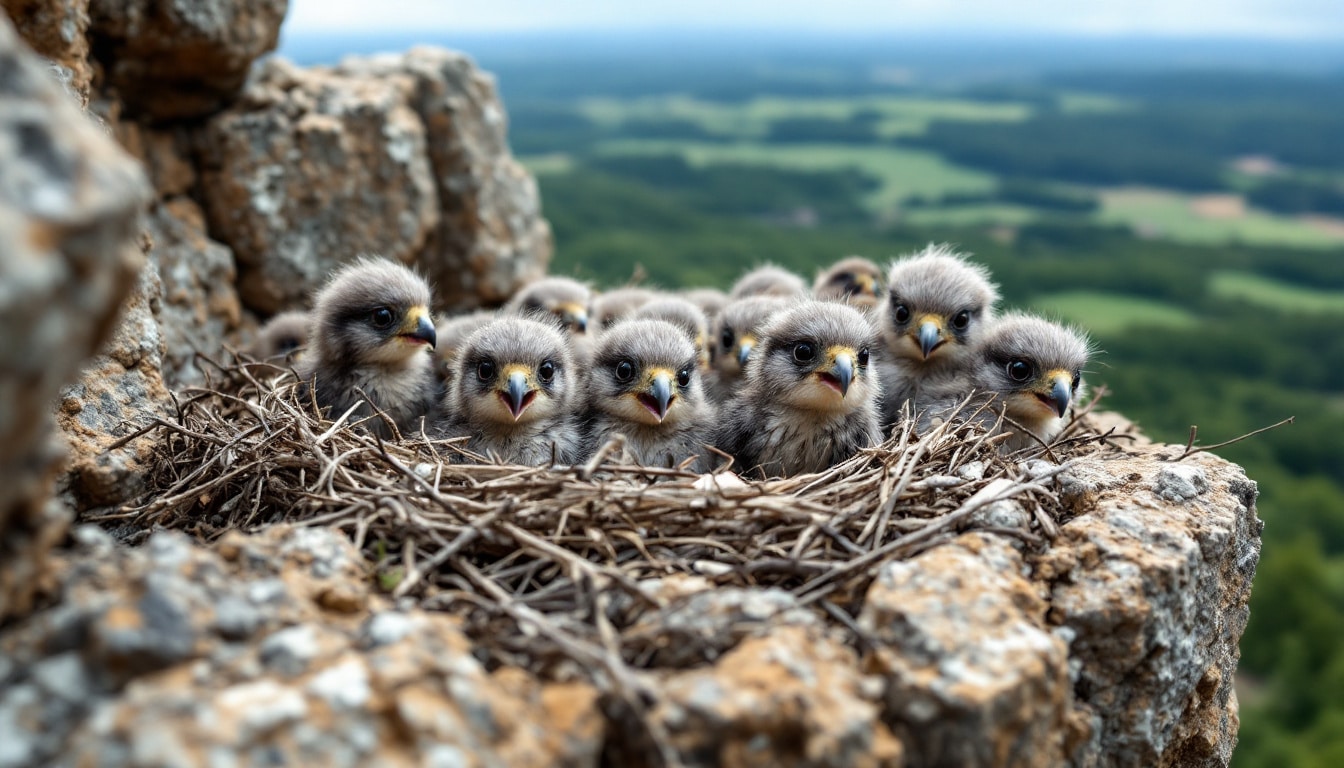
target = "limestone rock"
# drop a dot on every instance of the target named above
(175, 59)
(118, 391)
(491, 238)
(171, 654)
(787, 699)
(973, 677)
(1154, 593)
(310, 169)
(199, 307)
(69, 205)
(58, 30)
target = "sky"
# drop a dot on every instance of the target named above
(1281, 19)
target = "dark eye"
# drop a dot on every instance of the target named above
(1077, 379)
(485, 370)
(381, 318)
(863, 357)
(1019, 370)
(804, 352)
(961, 319)
(625, 370)
(546, 371)
(727, 338)
(901, 313)
(532, 305)
(684, 377)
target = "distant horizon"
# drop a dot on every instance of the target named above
(1032, 50)
(1242, 19)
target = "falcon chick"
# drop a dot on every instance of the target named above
(372, 333)
(734, 337)
(684, 315)
(644, 384)
(936, 308)
(514, 393)
(810, 398)
(567, 299)
(617, 304)
(453, 333)
(282, 337)
(1028, 369)
(769, 280)
(853, 280)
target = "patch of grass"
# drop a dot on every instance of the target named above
(988, 214)
(1083, 103)
(898, 115)
(1168, 215)
(553, 162)
(1105, 313)
(903, 172)
(1274, 294)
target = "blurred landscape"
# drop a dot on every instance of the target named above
(1183, 200)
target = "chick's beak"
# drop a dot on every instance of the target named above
(868, 284)
(1058, 391)
(575, 316)
(840, 372)
(930, 336)
(660, 390)
(419, 327)
(744, 347)
(658, 396)
(517, 392)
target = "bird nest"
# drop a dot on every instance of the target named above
(563, 568)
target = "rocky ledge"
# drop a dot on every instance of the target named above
(1115, 645)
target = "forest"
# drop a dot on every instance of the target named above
(1191, 218)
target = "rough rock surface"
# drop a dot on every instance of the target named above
(171, 654)
(1152, 584)
(69, 205)
(491, 238)
(199, 307)
(1115, 646)
(175, 59)
(309, 170)
(57, 30)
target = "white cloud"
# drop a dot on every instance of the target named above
(1278, 18)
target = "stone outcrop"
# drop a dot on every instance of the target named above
(69, 206)
(177, 59)
(1113, 646)
(309, 170)
(170, 654)
(57, 31)
(490, 238)
(399, 155)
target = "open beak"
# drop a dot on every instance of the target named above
(574, 316)
(840, 373)
(744, 347)
(1060, 391)
(517, 393)
(930, 336)
(419, 327)
(659, 396)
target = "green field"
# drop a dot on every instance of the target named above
(1267, 292)
(1111, 313)
(978, 215)
(903, 172)
(899, 115)
(1175, 216)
